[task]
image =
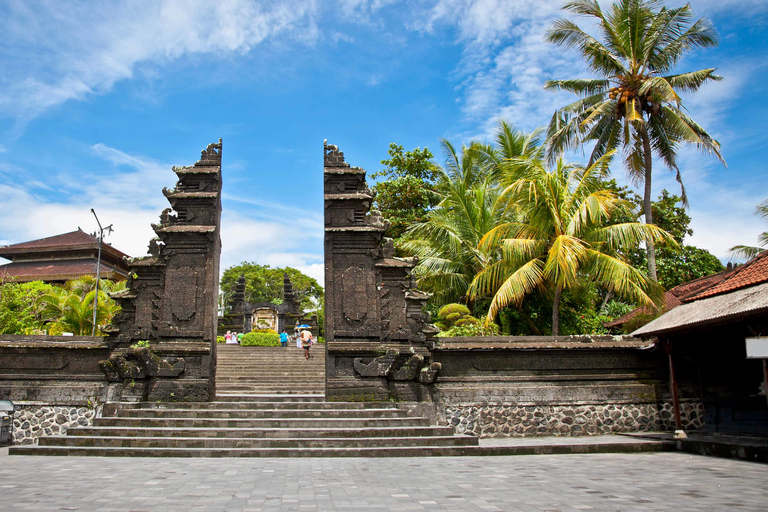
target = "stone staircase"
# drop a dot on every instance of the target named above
(269, 370)
(269, 403)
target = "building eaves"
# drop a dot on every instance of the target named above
(711, 310)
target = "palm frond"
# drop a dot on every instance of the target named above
(580, 86)
(692, 80)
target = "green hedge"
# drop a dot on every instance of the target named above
(220, 339)
(260, 339)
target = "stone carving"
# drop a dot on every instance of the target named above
(183, 304)
(155, 366)
(172, 295)
(428, 374)
(140, 363)
(354, 294)
(410, 369)
(379, 367)
(370, 301)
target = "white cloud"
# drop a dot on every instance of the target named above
(252, 230)
(66, 50)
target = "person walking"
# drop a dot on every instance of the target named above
(306, 342)
(240, 338)
(283, 339)
(228, 337)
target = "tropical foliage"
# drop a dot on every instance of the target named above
(749, 252)
(470, 205)
(634, 104)
(407, 193)
(37, 307)
(265, 284)
(561, 234)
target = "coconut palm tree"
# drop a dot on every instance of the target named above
(560, 236)
(749, 252)
(634, 104)
(470, 206)
(447, 243)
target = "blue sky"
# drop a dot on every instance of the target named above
(99, 100)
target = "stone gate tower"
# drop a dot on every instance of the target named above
(172, 295)
(379, 342)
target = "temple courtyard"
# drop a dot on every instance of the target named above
(601, 482)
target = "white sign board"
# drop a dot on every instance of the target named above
(757, 348)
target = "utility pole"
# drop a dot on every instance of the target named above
(98, 270)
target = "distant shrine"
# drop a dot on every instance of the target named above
(245, 316)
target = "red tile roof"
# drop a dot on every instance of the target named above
(78, 237)
(52, 270)
(74, 240)
(753, 272)
(675, 296)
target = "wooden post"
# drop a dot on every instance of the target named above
(765, 377)
(673, 387)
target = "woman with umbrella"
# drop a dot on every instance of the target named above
(306, 340)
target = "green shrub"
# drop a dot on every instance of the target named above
(264, 331)
(452, 315)
(261, 339)
(320, 339)
(475, 328)
(220, 339)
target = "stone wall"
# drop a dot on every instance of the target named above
(33, 420)
(54, 382)
(487, 420)
(547, 386)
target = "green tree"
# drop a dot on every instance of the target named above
(560, 236)
(407, 193)
(68, 311)
(447, 242)
(265, 284)
(634, 104)
(746, 251)
(21, 308)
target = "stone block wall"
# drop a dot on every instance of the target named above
(564, 386)
(54, 382)
(32, 421)
(485, 420)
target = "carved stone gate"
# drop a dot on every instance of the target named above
(379, 341)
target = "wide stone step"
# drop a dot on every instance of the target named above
(268, 389)
(301, 443)
(272, 433)
(260, 377)
(261, 405)
(260, 422)
(243, 390)
(393, 451)
(263, 413)
(270, 397)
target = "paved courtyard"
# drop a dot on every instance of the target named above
(652, 481)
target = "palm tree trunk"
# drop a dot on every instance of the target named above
(556, 311)
(527, 319)
(650, 248)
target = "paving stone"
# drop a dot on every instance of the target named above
(600, 482)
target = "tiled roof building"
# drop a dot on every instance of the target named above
(59, 258)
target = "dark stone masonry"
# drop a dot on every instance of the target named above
(377, 337)
(172, 296)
